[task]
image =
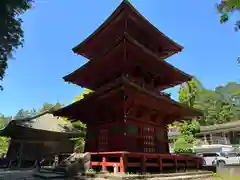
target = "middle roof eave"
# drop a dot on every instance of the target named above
(86, 75)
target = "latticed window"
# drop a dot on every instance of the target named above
(103, 140)
(149, 150)
(148, 134)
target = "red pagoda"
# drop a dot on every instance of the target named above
(127, 114)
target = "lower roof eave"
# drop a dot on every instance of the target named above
(123, 81)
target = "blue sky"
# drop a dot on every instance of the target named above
(53, 27)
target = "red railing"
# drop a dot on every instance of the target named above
(162, 161)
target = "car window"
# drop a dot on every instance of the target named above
(222, 154)
(232, 154)
(210, 154)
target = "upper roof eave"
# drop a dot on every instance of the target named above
(124, 5)
(101, 27)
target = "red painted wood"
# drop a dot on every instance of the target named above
(104, 160)
(123, 164)
(160, 164)
(133, 164)
(106, 164)
(143, 164)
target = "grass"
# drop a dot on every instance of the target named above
(220, 176)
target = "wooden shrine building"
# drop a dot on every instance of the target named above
(127, 114)
(37, 138)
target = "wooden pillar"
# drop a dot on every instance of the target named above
(198, 163)
(234, 137)
(143, 164)
(9, 164)
(211, 138)
(176, 164)
(56, 161)
(123, 164)
(205, 139)
(104, 160)
(161, 164)
(20, 155)
(37, 165)
(231, 137)
(186, 165)
(225, 138)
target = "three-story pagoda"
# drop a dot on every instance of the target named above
(127, 112)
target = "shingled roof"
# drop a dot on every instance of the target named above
(41, 127)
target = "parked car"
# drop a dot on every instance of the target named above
(220, 158)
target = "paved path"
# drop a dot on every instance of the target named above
(16, 175)
(27, 175)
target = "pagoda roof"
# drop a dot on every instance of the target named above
(41, 127)
(84, 107)
(114, 60)
(94, 44)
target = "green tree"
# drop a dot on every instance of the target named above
(21, 114)
(11, 33)
(225, 7)
(48, 107)
(221, 105)
(187, 137)
(83, 94)
(218, 106)
(188, 94)
(3, 140)
(208, 102)
(230, 98)
(182, 146)
(80, 142)
(33, 112)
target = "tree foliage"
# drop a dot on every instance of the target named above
(218, 106)
(189, 92)
(188, 95)
(11, 33)
(221, 105)
(48, 107)
(80, 142)
(181, 145)
(187, 137)
(83, 94)
(3, 140)
(225, 7)
(21, 114)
